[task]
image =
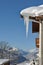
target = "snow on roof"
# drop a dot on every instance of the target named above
(32, 11)
(40, 6)
(3, 61)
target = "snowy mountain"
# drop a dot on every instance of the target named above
(19, 55)
(32, 54)
(27, 55)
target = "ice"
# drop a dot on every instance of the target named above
(26, 23)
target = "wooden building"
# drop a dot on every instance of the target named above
(35, 14)
(6, 63)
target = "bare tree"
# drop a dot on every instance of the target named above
(3, 47)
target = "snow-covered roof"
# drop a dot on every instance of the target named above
(32, 11)
(2, 61)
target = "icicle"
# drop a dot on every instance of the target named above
(26, 23)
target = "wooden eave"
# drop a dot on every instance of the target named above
(36, 18)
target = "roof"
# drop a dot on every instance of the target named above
(2, 61)
(34, 14)
(32, 11)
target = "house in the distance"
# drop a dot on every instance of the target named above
(4, 62)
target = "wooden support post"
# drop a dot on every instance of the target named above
(41, 45)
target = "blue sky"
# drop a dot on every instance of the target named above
(12, 27)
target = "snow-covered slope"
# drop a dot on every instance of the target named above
(32, 54)
(20, 55)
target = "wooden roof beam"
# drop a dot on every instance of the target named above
(36, 18)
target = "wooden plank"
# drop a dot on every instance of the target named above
(37, 18)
